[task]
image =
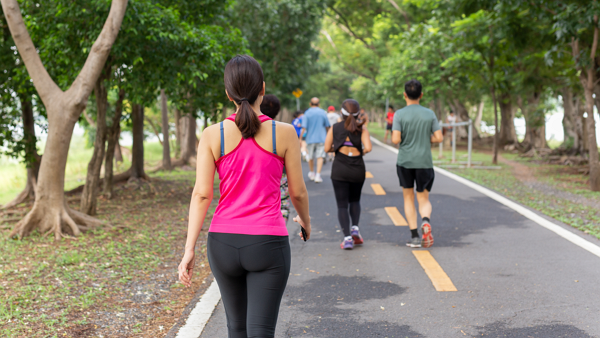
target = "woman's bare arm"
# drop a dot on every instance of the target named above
(366, 141)
(329, 141)
(201, 199)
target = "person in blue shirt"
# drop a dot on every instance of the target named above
(297, 123)
(316, 124)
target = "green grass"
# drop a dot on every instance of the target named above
(584, 218)
(13, 175)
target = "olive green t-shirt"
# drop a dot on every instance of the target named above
(416, 125)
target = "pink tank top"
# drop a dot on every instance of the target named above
(250, 202)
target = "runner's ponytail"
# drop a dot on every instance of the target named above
(350, 111)
(244, 83)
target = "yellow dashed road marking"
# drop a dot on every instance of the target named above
(369, 175)
(396, 216)
(439, 279)
(378, 189)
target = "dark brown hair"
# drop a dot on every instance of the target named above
(270, 105)
(351, 122)
(244, 81)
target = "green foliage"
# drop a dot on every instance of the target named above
(280, 34)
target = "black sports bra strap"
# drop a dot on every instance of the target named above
(222, 141)
(274, 138)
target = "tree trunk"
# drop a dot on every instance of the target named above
(118, 150)
(463, 116)
(177, 150)
(32, 159)
(572, 124)
(508, 134)
(113, 134)
(535, 121)
(496, 134)
(92, 179)
(189, 139)
(166, 162)
(50, 212)
(137, 149)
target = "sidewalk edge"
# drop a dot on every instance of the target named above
(557, 229)
(198, 312)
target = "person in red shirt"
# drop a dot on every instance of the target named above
(389, 119)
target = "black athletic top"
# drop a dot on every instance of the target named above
(347, 168)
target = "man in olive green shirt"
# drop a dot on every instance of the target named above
(416, 128)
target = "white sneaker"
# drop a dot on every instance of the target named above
(311, 176)
(318, 178)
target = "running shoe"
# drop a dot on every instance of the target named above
(356, 236)
(311, 175)
(347, 244)
(427, 236)
(415, 242)
(318, 178)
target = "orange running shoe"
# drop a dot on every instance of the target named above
(427, 239)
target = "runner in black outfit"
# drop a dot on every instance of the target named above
(350, 141)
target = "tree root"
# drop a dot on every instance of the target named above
(28, 192)
(48, 220)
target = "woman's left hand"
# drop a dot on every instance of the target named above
(186, 267)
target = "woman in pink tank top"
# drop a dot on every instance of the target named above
(248, 246)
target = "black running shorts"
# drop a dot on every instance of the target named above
(389, 126)
(423, 177)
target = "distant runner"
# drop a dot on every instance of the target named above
(315, 123)
(350, 141)
(297, 123)
(416, 128)
(389, 119)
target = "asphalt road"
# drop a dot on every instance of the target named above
(514, 278)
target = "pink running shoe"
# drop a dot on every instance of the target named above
(427, 239)
(355, 233)
(347, 244)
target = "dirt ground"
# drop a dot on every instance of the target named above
(118, 281)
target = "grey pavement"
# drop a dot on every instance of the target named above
(514, 278)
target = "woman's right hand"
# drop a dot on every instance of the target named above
(307, 227)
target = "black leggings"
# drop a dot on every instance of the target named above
(347, 194)
(252, 272)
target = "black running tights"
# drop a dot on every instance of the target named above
(347, 196)
(252, 272)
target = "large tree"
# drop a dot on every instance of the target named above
(50, 212)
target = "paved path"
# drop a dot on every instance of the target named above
(513, 277)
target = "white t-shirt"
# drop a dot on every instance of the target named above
(333, 118)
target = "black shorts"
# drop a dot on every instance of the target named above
(423, 177)
(389, 126)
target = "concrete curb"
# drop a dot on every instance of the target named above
(198, 311)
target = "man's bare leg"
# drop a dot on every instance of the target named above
(319, 165)
(424, 204)
(385, 136)
(409, 207)
(311, 164)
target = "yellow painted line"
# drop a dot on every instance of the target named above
(439, 279)
(369, 175)
(378, 189)
(396, 216)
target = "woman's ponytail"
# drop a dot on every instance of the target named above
(350, 111)
(246, 120)
(244, 82)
